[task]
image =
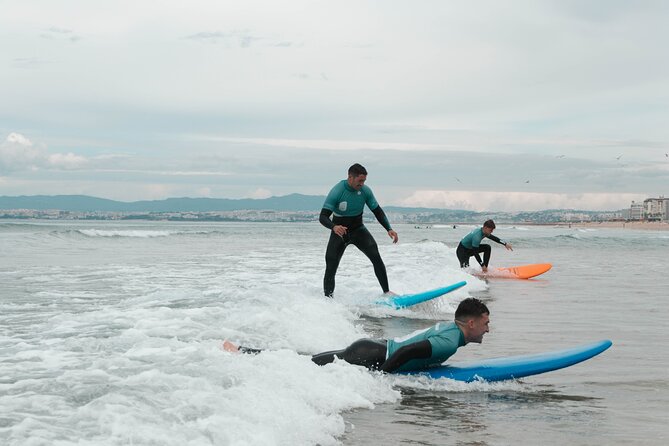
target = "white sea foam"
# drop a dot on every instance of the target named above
(124, 233)
(449, 385)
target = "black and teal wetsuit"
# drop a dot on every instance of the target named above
(348, 204)
(471, 245)
(419, 350)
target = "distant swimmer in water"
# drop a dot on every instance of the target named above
(347, 200)
(471, 245)
(419, 350)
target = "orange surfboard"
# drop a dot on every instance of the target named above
(516, 272)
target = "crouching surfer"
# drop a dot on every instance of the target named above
(471, 245)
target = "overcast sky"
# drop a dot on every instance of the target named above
(483, 105)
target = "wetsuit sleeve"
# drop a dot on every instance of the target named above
(496, 239)
(325, 218)
(416, 350)
(331, 199)
(381, 217)
(478, 258)
(370, 199)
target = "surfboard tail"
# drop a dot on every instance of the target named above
(409, 300)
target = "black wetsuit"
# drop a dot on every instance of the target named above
(370, 353)
(357, 234)
(419, 350)
(348, 204)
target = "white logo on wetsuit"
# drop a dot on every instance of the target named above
(343, 205)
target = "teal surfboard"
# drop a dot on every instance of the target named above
(514, 367)
(409, 300)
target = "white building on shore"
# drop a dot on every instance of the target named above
(636, 211)
(652, 209)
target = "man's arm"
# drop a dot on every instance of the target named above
(383, 219)
(325, 218)
(327, 222)
(416, 350)
(500, 241)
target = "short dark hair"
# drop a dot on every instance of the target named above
(357, 170)
(469, 308)
(489, 224)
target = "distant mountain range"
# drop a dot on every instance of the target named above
(83, 203)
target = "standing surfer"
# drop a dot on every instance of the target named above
(347, 200)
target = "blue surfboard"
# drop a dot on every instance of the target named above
(514, 367)
(408, 300)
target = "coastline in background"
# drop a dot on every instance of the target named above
(646, 225)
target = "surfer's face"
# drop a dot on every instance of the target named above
(478, 327)
(357, 182)
(487, 230)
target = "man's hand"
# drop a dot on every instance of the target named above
(484, 268)
(340, 230)
(508, 246)
(393, 235)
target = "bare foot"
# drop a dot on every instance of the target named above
(390, 294)
(229, 347)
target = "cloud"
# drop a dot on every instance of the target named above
(238, 38)
(323, 144)
(518, 201)
(18, 139)
(204, 192)
(55, 32)
(29, 62)
(66, 161)
(18, 153)
(261, 193)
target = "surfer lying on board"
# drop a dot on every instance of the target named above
(471, 245)
(419, 350)
(347, 200)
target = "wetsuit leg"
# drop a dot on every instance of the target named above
(417, 350)
(333, 254)
(463, 255)
(361, 238)
(327, 357)
(486, 250)
(370, 353)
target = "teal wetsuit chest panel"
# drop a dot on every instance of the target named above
(344, 201)
(445, 338)
(473, 239)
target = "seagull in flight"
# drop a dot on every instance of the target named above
(618, 157)
(560, 156)
(458, 180)
(527, 181)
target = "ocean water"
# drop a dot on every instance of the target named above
(110, 334)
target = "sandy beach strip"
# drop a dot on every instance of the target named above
(647, 225)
